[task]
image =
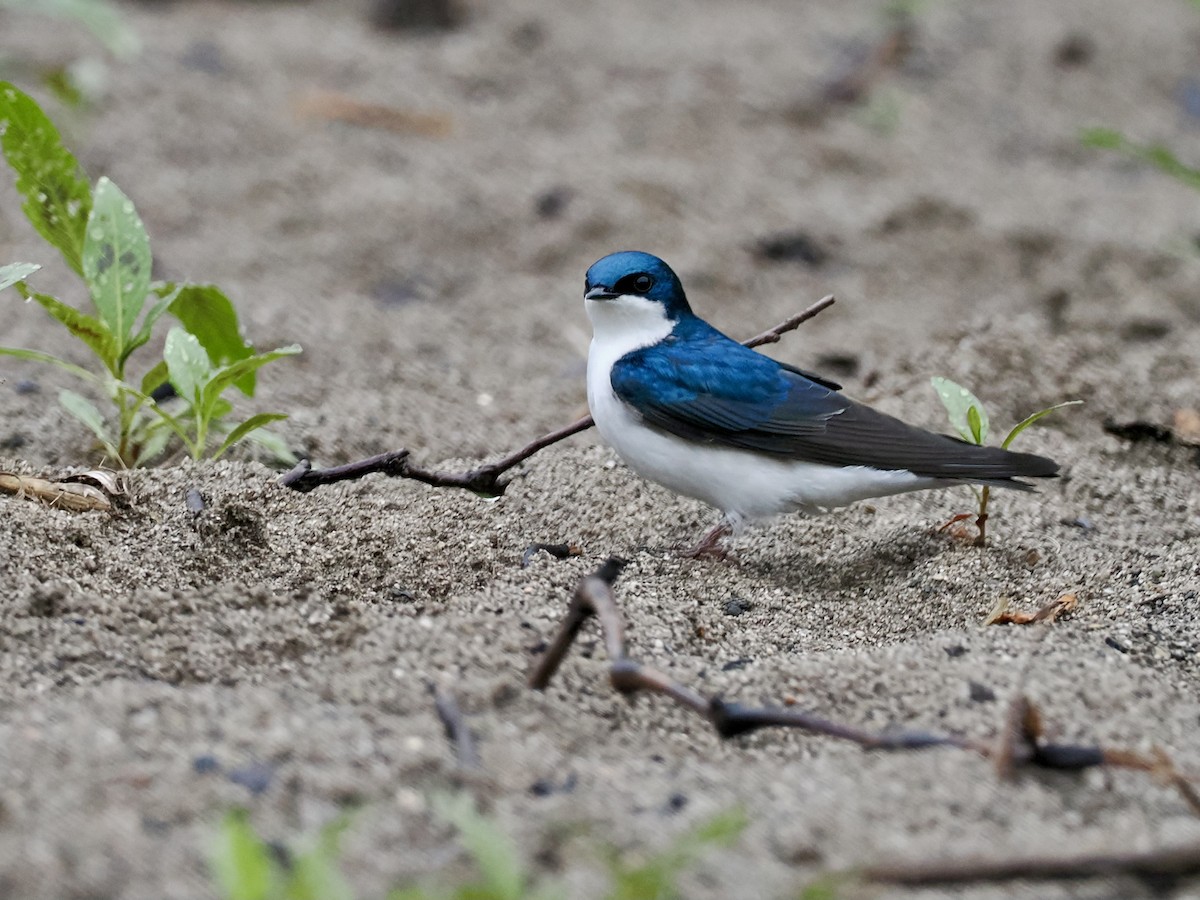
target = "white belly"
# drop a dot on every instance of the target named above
(741, 484)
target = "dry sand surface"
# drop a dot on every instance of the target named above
(275, 651)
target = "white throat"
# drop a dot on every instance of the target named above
(624, 324)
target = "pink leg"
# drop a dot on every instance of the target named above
(709, 546)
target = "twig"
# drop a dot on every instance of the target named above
(594, 596)
(458, 732)
(558, 551)
(1020, 744)
(1151, 865)
(486, 479)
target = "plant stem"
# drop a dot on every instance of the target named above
(981, 521)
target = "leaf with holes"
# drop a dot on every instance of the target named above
(58, 198)
(116, 260)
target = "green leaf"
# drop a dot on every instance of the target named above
(274, 445)
(315, 874)
(151, 440)
(188, 366)
(166, 294)
(58, 198)
(960, 403)
(251, 424)
(658, 876)
(1029, 420)
(90, 330)
(116, 260)
(14, 272)
(155, 378)
(722, 829)
(492, 849)
(1102, 138)
(39, 356)
(241, 861)
(62, 84)
(99, 17)
(977, 424)
(176, 425)
(205, 311)
(234, 372)
(1158, 155)
(85, 411)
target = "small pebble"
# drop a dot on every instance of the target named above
(980, 693)
(735, 606)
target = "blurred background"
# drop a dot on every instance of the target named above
(413, 190)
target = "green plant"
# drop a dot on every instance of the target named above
(657, 878)
(1157, 155)
(102, 239)
(501, 873)
(246, 867)
(970, 420)
(81, 79)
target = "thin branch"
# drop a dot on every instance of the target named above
(1020, 744)
(772, 336)
(458, 732)
(1153, 865)
(486, 479)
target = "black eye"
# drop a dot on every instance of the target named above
(638, 283)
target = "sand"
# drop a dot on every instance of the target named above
(276, 650)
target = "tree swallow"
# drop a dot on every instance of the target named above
(692, 409)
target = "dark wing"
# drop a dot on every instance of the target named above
(702, 386)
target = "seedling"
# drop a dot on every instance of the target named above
(970, 420)
(246, 867)
(81, 79)
(1157, 155)
(102, 239)
(657, 877)
(502, 876)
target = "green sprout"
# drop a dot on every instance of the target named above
(82, 79)
(656, 878)
(1157, 155)
(970, 419)
(502, 876)
(102, 240)
(246, 867)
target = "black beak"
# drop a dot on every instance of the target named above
(599, 292)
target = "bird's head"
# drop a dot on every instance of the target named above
(633, 287)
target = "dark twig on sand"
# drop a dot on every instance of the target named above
(594, 596)
(1152, 866)
(485, 479)
(458, 732)
(558, 551)
(1020, 745)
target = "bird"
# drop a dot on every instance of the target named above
(693, 410)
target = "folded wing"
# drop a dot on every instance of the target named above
(705, 387)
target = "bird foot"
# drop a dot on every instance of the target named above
(709, 546)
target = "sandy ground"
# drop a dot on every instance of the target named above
(275, 651)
